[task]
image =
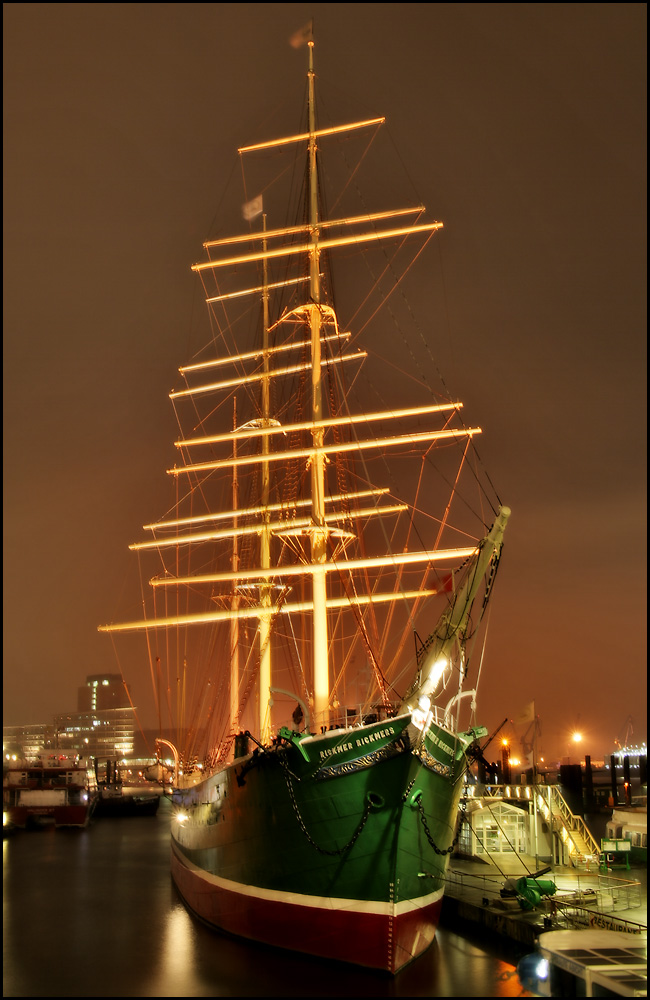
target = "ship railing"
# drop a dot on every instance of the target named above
(362, 715)
(616, 894)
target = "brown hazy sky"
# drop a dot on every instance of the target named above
(522, 126)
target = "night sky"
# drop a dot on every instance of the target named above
(521, 127)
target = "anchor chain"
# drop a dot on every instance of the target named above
(301, 822)
(423, 819)
(406, 793)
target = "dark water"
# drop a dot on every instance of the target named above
(94, 913)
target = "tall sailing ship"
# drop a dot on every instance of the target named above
(321, 581)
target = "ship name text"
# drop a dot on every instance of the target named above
(443, 746)
(379, 734)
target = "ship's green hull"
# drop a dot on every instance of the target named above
(313, 832)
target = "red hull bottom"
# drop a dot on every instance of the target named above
(23, 816)
(345, 930)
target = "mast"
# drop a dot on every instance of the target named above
(318, 528)
(234, 620)
(448, 633)
(265, 535)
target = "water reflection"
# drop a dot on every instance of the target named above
(94, 913)
(177, 955)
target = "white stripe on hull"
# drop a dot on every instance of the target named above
(379, 907)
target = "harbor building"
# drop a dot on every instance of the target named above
(103, 692)
(106, 733)
(28, 741)
(557, 816)
(103, 725)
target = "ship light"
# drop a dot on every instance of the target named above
(181, 817)
(5, 819)
(420, 714)
(437, 670)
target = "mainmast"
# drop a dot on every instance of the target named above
(318, 527)
(265, 535)
(234, 620)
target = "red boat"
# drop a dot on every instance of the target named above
(53, 789)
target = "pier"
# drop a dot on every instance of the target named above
(583, 899)
(527, 865)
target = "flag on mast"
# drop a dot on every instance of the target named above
(253, 208)
(304, 35)
(526, 715)
(527, 718)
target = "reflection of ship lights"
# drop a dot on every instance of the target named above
(542, 969)
(533, 971)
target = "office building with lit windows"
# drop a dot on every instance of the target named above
(103, 734)
(102, 692)
(103, 725)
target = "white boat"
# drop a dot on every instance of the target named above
(587, 963)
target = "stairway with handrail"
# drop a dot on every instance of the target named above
(582, 848)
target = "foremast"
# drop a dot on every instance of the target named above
(450, 629)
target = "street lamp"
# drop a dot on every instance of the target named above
(576, 737)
